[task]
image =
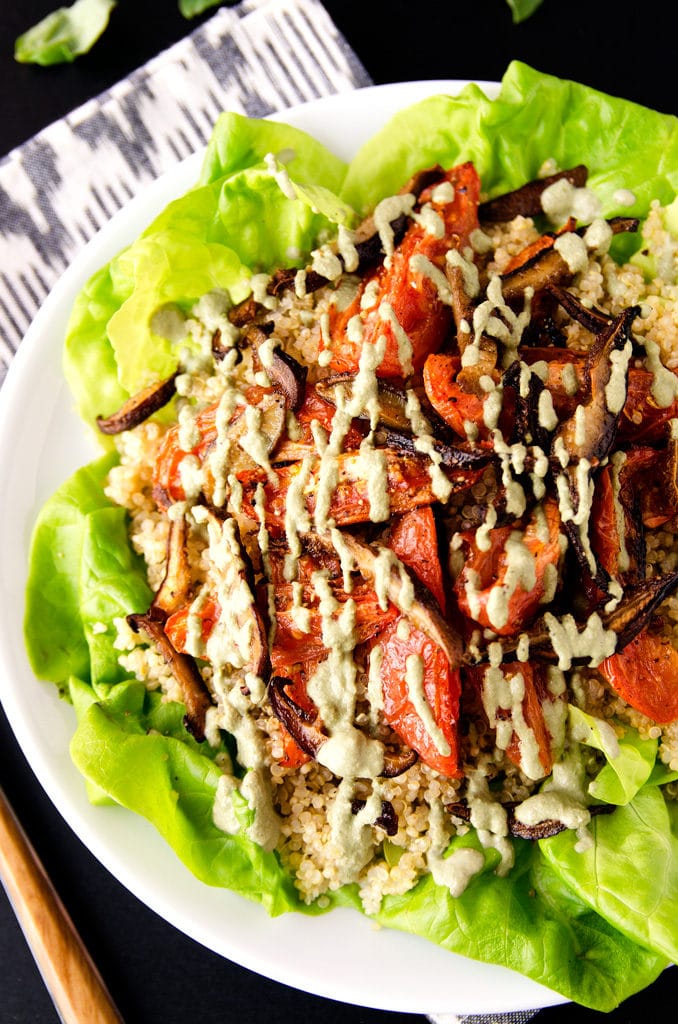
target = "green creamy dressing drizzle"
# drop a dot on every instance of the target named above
(349, 753)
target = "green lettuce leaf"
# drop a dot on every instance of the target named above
(625, 775)
(133, 746)
(630, 759)
(82, 573)
(236, 222)
(64, 34)
(629, 874)
(522, 9)
(191, 8)
(624, 144)
(532, 922)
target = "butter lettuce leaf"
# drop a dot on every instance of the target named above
(625, 775)
(625, 145)
(237, 221)
(523, 9)
(630, 758)
(133, 747)
(64, 34)
(191, 8)
(82, 573)
(629, 874)
(533, 922)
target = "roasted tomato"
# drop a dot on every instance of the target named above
(408, 485)
(615, 527)
(414, 539)
(294, 644)
(642, 420)
(293, 756)
(530, 744)
(503, 582)
(167, 485)
(645, 675)
(457, 406)
(407, 303)
(418, 682)
(176, 625)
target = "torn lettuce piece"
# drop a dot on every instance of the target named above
(64, 34)
(630, 759)
(523, 9)
(192, 8)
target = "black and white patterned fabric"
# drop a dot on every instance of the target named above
(61, 186)
(513, 1017)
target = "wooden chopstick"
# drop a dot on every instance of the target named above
(73, 981)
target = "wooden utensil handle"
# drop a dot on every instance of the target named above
(74, 983)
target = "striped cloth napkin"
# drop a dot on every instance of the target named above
(514, 1017)
(62, 185)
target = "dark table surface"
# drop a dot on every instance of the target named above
(153, 971)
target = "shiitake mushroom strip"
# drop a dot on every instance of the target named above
(391, 399)
(300, 724)
(527, 428)
(632, 614)
(590, 432)
(639, 604)
(595, 578)
(139, 407)
(457, 458)
(526, 200)
(542, 830)
(388, 819)
(175, 590)
(544, 270)
(548, 269)
(592, 319)
(194, 692)
(392, 406)
(285, 373)
(308, 733)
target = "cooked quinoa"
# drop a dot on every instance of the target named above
(305, 801)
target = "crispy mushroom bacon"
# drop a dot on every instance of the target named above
(455, 490)
(139, 407)
(194, 693)
(526, 200)
(542, 830)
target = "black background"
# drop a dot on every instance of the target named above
(154, 972)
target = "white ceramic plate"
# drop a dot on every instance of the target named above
(338, 955)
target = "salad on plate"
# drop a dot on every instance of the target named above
(370, 599)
